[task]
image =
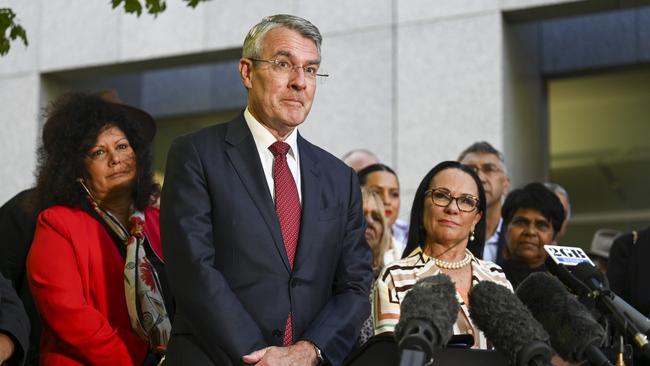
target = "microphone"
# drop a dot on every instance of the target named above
(575, 334)
(427, 315)
(508, 324)
(606, 299)
(596, 281)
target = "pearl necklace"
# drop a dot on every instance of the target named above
(454, 265)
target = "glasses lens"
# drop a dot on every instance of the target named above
(440, 198)
(466, 203)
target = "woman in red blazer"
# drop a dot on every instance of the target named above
(95, 266)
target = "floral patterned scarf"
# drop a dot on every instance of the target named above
(142, 287)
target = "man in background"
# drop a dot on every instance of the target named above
(358, 159)
(490, 166)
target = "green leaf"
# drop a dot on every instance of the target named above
(7, 22)
(155, 7)
(116, 3)
(18, 32)
(133, 6)
(193, 3)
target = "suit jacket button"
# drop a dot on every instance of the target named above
(294, 282)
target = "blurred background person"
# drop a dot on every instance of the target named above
(377, 231)
(383, 180)
(95, 266)
(447, 232)
(489, 165)
(14, 326)
(563, 195)
(17, 225)
(628, 269)
(628, 273)
(379, 239)
(532, 217)
(358, 159)
(601, 245)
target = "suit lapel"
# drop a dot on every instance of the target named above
(245, 159)
(311, 190)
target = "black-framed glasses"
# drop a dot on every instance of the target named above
(286, 68)
(442, 198)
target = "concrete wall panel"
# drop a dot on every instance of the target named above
(346, 16)
(352, 109)
(78, 33)
(425, 10)
(449, 91)
(20, 130)
(20, 58)
(228, 21)
(176, 31)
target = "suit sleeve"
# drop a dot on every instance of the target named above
(618, 264)
(13, 321)
(337, 326)
(56, 284)
(214, 313)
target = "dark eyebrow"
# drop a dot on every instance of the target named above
(289, 55)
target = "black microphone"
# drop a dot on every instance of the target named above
(575, 334)
(508, 324)
(427, 315)
(596, 281)
(605, 302)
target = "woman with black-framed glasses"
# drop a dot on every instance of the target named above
(447, 233)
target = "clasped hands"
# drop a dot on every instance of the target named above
(299, 354)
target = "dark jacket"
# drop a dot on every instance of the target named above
(226, 258)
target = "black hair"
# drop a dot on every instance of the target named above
(537, 197)
(363, 173)
(417, 234)
(73, 123)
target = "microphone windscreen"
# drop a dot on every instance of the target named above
(569, 323)
(432, 299)
(506, 322)
(585, 272)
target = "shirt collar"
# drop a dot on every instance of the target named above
(264, 138)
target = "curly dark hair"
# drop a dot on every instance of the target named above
(73, 123)
(417, 234)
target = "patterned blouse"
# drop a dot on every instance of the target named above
(398, 278)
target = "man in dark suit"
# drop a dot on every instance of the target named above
(263, 231)
(14, 326)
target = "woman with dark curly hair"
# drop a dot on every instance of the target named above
(95, 266)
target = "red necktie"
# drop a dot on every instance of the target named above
(287, 207)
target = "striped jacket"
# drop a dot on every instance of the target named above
(398, 278)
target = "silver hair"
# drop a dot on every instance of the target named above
(253, 42)
(558, 189)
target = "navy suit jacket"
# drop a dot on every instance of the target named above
(226, 260)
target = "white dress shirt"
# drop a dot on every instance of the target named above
(263, 139)
(491, 245)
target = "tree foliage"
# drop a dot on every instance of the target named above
(153, 7)
(10, 30)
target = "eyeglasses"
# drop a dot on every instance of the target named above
(286, 68)
(521, 222)
(486, 169)
(442, 198)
